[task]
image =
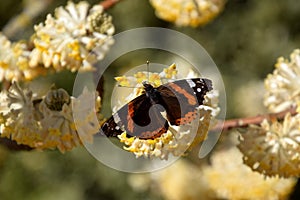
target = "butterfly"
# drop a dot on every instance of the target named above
(144, 118)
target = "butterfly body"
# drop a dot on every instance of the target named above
(143, 116)
(151, 93)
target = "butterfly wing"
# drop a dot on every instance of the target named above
(181, 98)
(139, 118)
(142, 117)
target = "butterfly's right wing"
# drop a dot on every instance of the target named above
(182, 97)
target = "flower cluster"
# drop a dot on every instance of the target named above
(177, 139)
(74, 39)
(282, 86)
(14, 58)
(273, 147)
(211, 181)
(188, 13)
(229, 178)
(47, 122)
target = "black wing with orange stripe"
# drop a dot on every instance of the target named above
(138, 118)
(182, 97)
(142, 117)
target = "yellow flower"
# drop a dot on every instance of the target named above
(140, 77)
(123, 81)
(14, 61)
(273, 148)
(74, 39)
(283, 85)
(170, 71)
(229, 178)
(181, 181)
(19, 114)
(188, 12)
(48, 122)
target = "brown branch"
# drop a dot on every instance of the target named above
(109, 3)
(244, 122)
(12, 145)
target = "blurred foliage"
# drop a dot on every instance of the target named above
(53, 176)
(244, 41)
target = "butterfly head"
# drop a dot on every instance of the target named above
(151, 92)
(147, 86)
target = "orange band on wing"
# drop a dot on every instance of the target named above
(188, 118)
(129, 117)
(191, 99)
(153, 134)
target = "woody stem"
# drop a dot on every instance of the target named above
(244, 122)
(109, 3)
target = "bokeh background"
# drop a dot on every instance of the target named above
(245, 41)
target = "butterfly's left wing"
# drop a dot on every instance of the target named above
(181, 98)
(110, 128)
(139, 118)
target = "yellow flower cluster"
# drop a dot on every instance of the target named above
(14, 59)
(229, 178)
(74, 39)
(188, 12)
(282, 85)
(47, 122)
(273, 147)
(225, 177)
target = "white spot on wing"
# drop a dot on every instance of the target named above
(117, 118)
(198, 89)
(191, 83)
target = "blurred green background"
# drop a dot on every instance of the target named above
(244, 41)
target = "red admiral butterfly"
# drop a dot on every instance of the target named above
(142, 117)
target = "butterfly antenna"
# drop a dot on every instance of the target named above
(148, 63)
(126, 86)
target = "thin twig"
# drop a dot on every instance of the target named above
(31, 10)
(244, 122)
(109, 3)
